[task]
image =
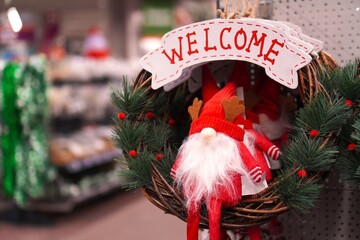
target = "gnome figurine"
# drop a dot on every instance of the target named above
(214, 166)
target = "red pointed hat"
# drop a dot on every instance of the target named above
(213, 115)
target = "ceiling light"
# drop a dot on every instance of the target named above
(14, 19)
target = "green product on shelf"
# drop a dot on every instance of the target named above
(12, 128)
(26, 165)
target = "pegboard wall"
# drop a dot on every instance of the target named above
(335, 217)
(335, 22)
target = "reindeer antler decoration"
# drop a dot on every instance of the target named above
(233, 108)
(194, 109)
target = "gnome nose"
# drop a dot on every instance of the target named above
(207, 134)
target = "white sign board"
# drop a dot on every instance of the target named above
(225, 39)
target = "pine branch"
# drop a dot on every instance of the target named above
(159, 103)
(344, 82)
(128, 135)
(356, 134)
(136, 172)
(164, 165)
(300, 195)
(322, 115)
(158, 136)
(128, 101)
(308, 153)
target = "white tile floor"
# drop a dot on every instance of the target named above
(122, 216)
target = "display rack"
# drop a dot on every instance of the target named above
(93, 173)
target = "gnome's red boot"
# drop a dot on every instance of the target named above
(214, 213)
(254, 233)
(193, 221)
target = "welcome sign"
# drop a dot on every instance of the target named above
(225, 39)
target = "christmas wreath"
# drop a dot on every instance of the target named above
(152, 124)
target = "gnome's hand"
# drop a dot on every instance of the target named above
(174, 168)
(274, 152)
(255, 174)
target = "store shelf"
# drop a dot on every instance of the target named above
(94, 161)
(67, 205)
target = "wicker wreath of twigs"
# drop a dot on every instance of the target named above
(252, 210)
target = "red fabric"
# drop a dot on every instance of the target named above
(209, 87)
(192, 226)
(262, 145)
(254, 233)
(214, 214)
(248, 158)
(241, 75)
(213, 115)
(213, 107)
(219, 125)
(269, 99)
(265, 88)
(97, 54)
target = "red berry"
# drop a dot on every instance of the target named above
(121, 115)
(172, 122)
(314, 133)
(132, 153)
(302, 173)
(150, 115)
(159, 156)
(351, 146)
(348, 103)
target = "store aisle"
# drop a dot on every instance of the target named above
(122, 216)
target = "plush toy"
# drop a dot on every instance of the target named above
(260, 147)
(262, 102)
(214, 166)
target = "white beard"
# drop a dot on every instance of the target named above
(203, 166)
